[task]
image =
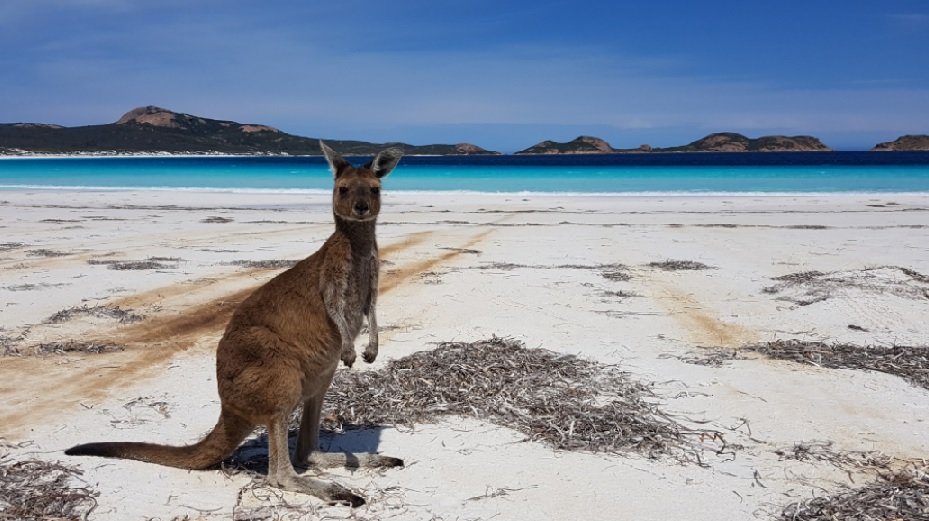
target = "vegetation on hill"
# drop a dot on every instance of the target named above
(154, 130)
(734, 142)
(580, 145)
(907, 143)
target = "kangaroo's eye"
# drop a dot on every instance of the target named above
(343, 190)
(375, 190)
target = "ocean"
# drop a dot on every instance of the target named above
(642, 174)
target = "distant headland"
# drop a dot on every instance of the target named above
(152, 130)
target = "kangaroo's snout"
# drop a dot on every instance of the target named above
(361, 208)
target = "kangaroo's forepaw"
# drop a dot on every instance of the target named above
(370, 354)
(348, 358)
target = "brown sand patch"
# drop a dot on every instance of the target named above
(394, 278)
(702, 326)
(408, 241)
(46, 391)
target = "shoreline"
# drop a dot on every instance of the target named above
(477, 193)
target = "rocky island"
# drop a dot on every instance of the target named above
(907, 143)
(734, 142)
(718, 142)
(155, 130)
(580, 145)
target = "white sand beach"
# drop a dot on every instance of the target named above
(571, 274)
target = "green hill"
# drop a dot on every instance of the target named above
(156, 130)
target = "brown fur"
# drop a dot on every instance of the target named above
(284, 342)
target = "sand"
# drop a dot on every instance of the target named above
(543, 270)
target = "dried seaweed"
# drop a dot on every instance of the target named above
(61, 347)
(43, 252)
(562, 400)
(124, 316)
(620, 294)
(823, 451)
(60, 221)
(7, 246)
(215, 219)
(715, 358)
(613, 271)
(809, 287)
(807, 227)
(32, 287)
(915, 275)
(616, 274)
(894, 497)
(800, 277)
(8, 345)
(463, 250)
(911, 363)
(269, 264)
(679, 265)
(42, 490)
(152, 263)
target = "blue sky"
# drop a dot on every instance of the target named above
(503, 75)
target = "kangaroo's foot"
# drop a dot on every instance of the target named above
(350, 460)
(326, 490)
(281, 473)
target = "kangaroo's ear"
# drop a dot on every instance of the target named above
(385, 161)
(336, 162)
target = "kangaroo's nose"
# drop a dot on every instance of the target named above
(361, 208)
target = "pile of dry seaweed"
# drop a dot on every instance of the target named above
(809, 287)
(152, 263)
(899, 496)
(679, 265)
(268, 264)
(35, 489)
(824, 451)
(911, 363)
(563, 400)
(124, 316)
(58, 348)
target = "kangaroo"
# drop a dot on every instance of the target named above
(283, 344)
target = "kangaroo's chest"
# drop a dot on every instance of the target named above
(354, 286)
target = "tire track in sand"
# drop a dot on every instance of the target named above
(43, 389)
(701, 326)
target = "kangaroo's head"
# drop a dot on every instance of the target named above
(356, 195)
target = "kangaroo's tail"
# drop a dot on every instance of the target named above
(229, 432)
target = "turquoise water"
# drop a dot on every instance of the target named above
(842, 172)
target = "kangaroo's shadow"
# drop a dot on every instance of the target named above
(252, 456)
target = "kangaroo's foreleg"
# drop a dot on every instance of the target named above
(334, 299)
(370, 352)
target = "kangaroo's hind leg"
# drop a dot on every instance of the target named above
(281, 472)
(308, 453)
